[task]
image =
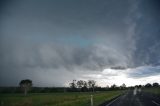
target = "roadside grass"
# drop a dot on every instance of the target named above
(155, 90)
(57, 99)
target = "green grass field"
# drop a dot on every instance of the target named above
(57, 99)
(153, 90)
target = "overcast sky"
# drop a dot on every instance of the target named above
(53, 42)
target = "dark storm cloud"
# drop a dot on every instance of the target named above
(144, 71)
(54, 37)
(147, 34)
(118, 68)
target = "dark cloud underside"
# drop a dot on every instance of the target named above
(51, 38)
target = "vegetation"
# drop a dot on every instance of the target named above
(75, 86)
(77, 94)
(91, 86)
(82, 85)
(25, 85)
(152, 88)
(58, 99)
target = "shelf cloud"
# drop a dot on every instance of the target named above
(58, 41)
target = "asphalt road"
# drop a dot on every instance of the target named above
(135, 97)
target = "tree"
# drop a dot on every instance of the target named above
(80, 83)
(114, 86)
(73, 85)
(148, 85)
(84, 88)
(91, 84)
(25, 85)
(155, 84)
(139, 86)
(123, 86)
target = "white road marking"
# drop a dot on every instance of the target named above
(156, 103)
(112, 101)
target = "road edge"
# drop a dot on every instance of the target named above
(109, 101)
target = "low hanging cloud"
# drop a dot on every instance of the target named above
(118, 68)
(51, 56)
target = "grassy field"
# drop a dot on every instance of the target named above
(153, 90)
(57, 99)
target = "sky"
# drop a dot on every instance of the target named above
(53, 42)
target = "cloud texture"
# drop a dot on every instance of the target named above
(53, 42)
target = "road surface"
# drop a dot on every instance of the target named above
(135, 97)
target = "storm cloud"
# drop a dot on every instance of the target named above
(53, 42)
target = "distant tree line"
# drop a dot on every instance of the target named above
(148, 85)
(74, 86)
(82, 85)
(91, 86)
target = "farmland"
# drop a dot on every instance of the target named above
(154, 90)
(57, 99)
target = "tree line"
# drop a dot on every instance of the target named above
(82, 85)
(25, 86)
(91, 86)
